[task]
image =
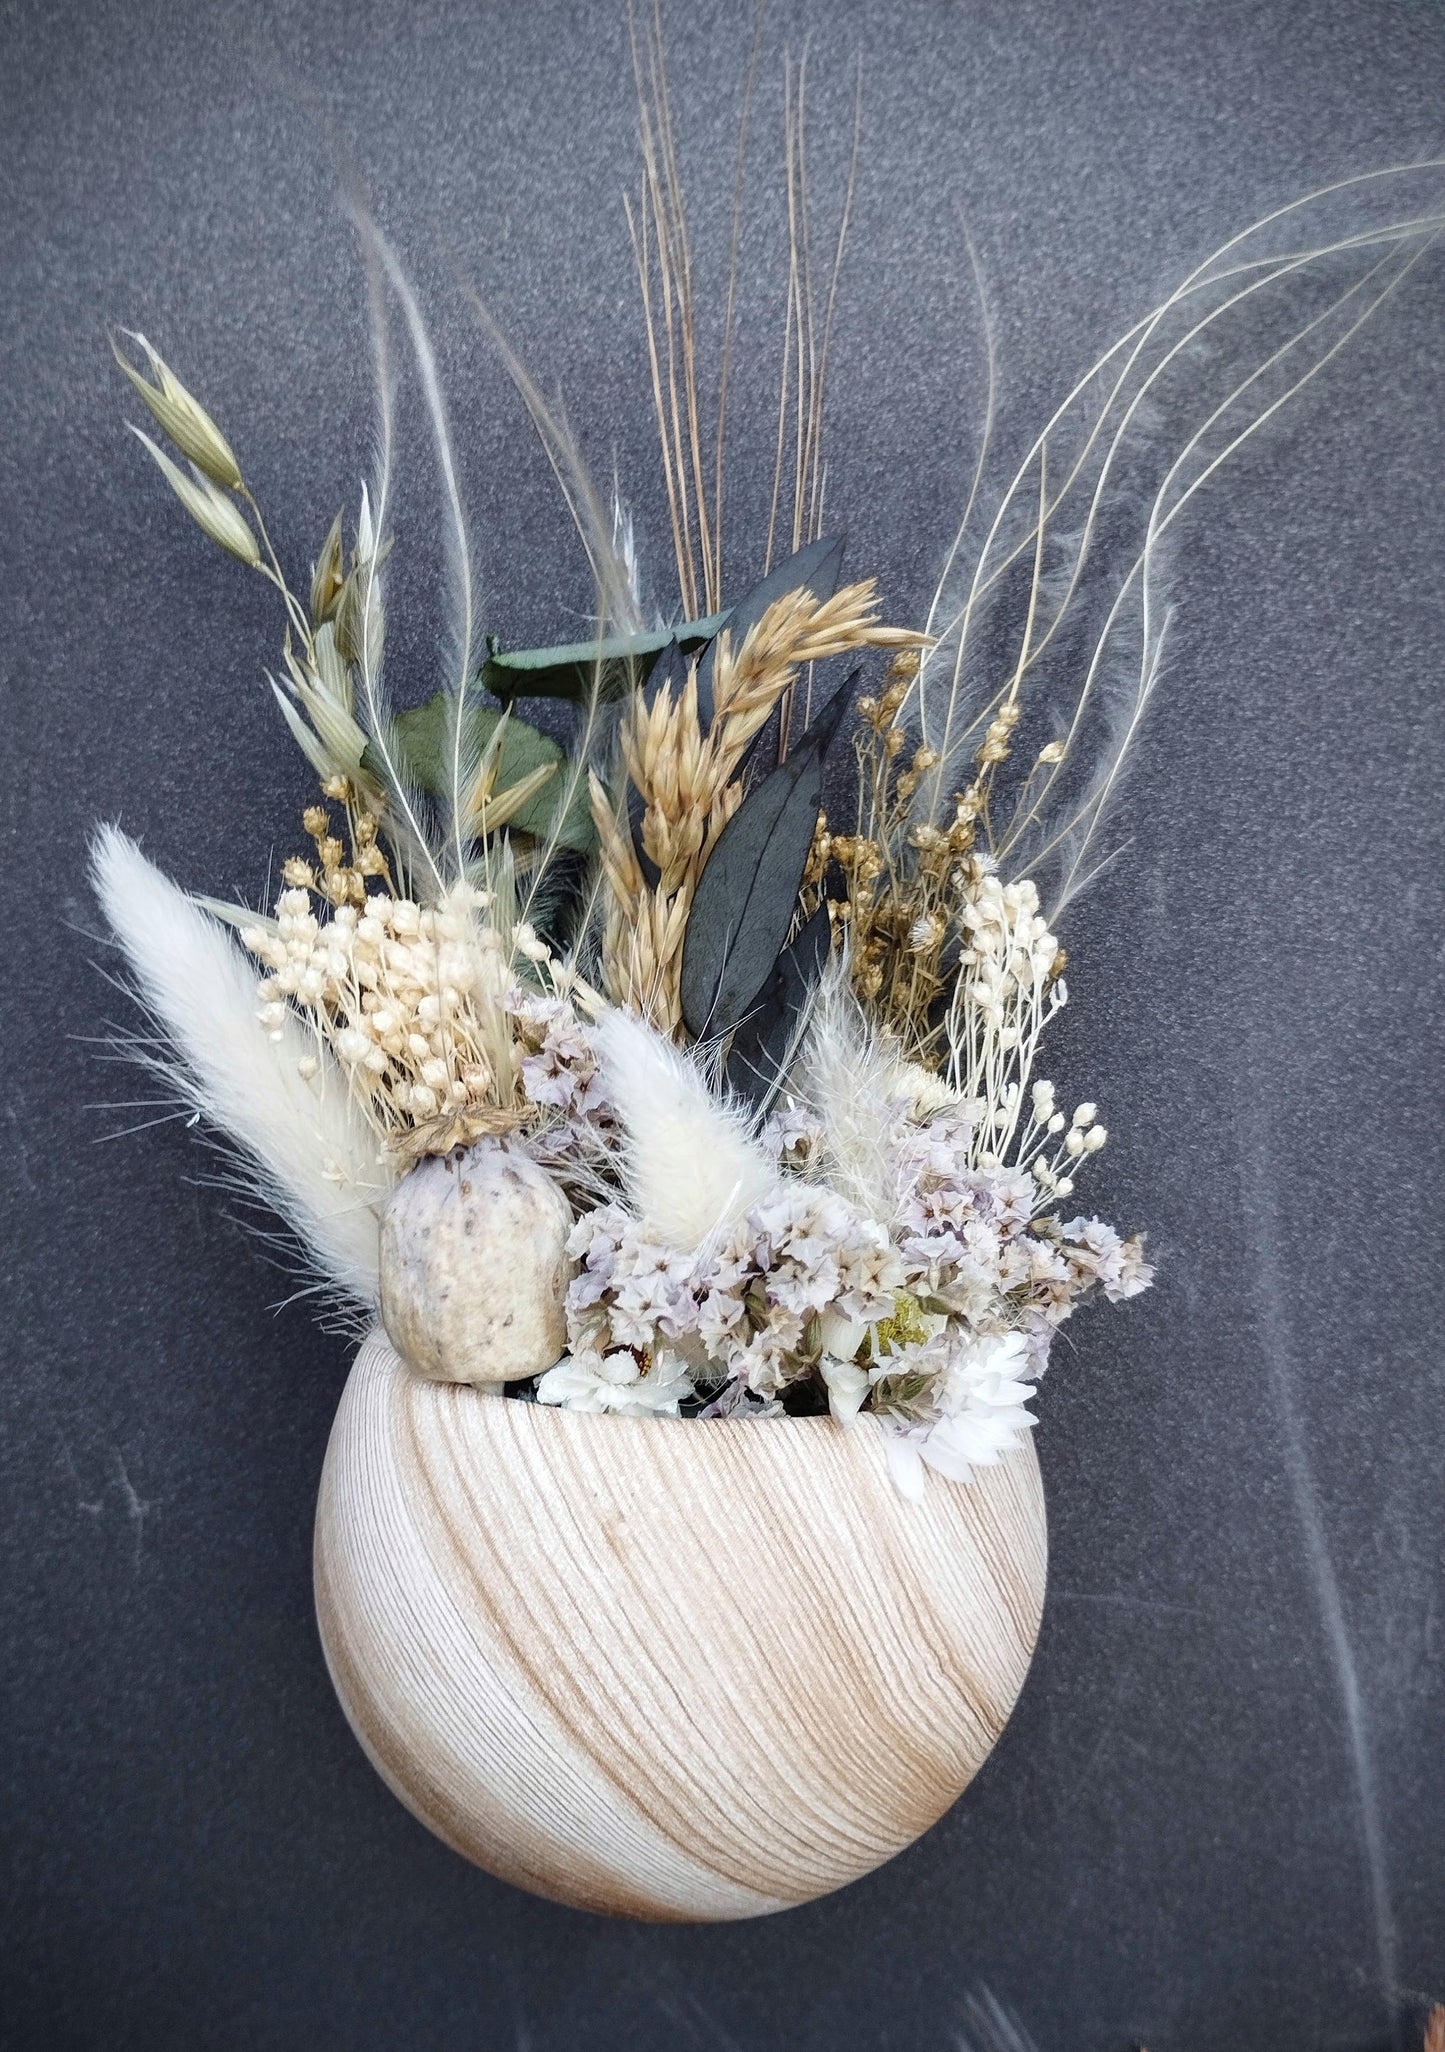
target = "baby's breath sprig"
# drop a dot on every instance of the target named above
(414, 1000)
(1009, 985)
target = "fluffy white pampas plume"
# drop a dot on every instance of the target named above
(307, 1149)
(691, 1162)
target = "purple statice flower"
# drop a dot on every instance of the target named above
(562, 1068)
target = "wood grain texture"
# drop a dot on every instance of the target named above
(664, 1669)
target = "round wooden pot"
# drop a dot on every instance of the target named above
(660, 1668)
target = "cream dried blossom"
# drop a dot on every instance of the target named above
(413, 1000)
(979, 1410)
(617, 1382)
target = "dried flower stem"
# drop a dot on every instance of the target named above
(662, 252)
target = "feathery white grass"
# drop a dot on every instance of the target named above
(1125, 453)
(624, 547)
(406, 812)
(607, 540)
(690, 1163)
(307, 1150)
(608, 551)
(990, 2027)
(463, 625)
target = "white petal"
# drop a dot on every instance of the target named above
(947, 1458)
(842, 1336)
(905, 1466)
(847, 1387)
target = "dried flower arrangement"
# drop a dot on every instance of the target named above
(849, 1199)
(612, 1075)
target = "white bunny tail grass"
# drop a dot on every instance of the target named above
(849, 1080)
(279, 1100)
(691, 1163)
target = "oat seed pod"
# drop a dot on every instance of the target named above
(209, 508)
(183, 418)
(327, 579)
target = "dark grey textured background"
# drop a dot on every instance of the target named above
(1166, 1848)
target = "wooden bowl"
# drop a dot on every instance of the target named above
(664, 1669)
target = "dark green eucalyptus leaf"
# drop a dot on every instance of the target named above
(815, 568)
(422, 738)
(764, 1043)
(748, 891)
(569, 671)
(822, 707)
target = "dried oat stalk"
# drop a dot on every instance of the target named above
(689, 783)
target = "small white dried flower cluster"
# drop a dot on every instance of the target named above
(978, 1395)
(413, 999)
(1010, 950)
(1051, 1146)
(1009, 986)
(939, 1322)
(618, 1382)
